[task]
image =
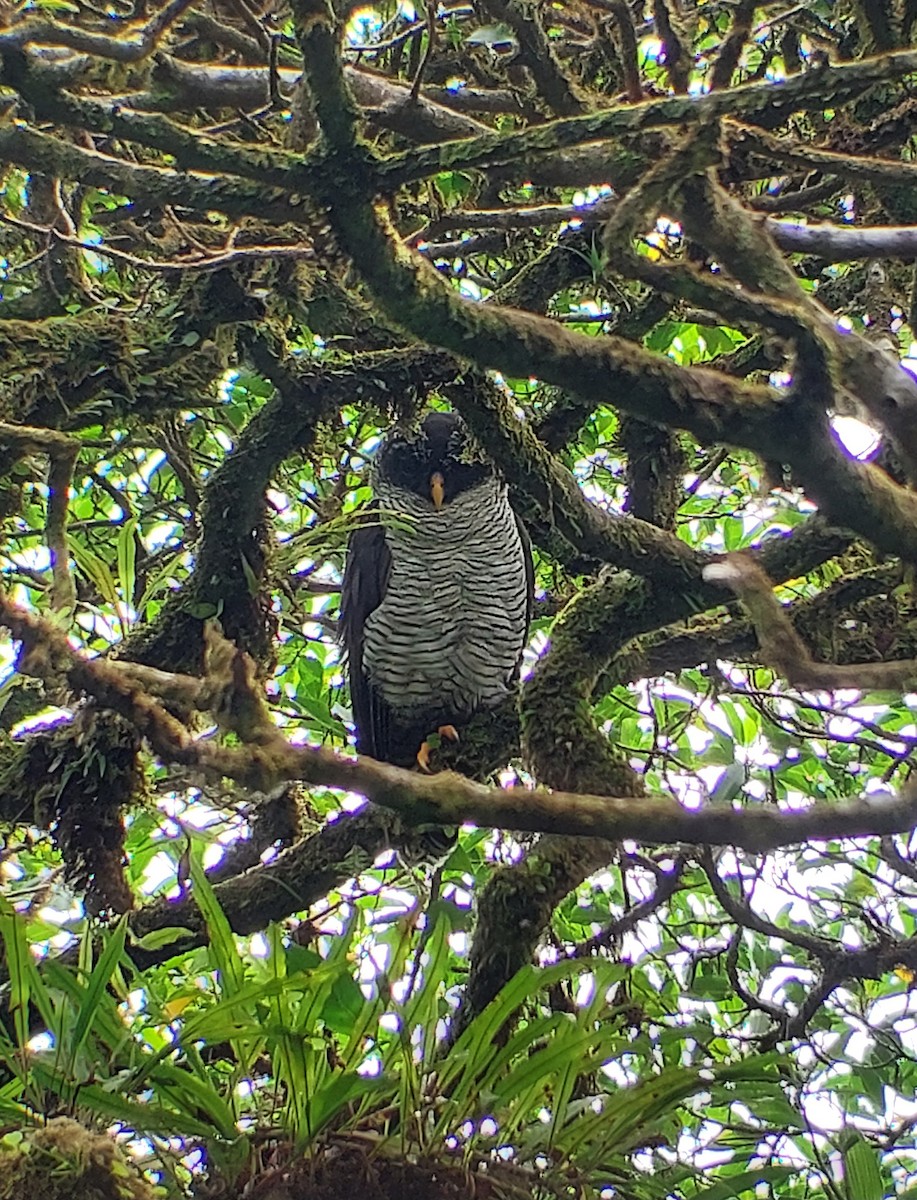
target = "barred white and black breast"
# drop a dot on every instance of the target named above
(437, 598)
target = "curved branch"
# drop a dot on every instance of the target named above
(666, 886)
(871, 374)
(118, 48)
(537, 55)
(740, 911)
(766, 149)
(709, 405)
(764, 103)
(782, 648)
(38, 151)
(444, 799)
(707, 639)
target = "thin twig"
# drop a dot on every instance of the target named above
(221, 259)
(666, 886)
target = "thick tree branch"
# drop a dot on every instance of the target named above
(870, 373)
(765, 103)
(444, 799)
(730, 51)
(818, 619)
(768, 151)
(291, 882)
(839, 243)
(34, 150)
(387, 104)
(702, 402)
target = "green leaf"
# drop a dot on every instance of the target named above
(96, 571)
(88, 1011)
(745, 1181)
(220, 936)
(344, 1005)
(157, 1118)
(158, 938)
(127, 558)
(862, 1175)
(204, 610)
(20, 969)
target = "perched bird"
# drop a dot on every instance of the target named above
(437, 594)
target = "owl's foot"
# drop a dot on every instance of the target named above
(423, 754)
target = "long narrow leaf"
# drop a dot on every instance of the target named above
(862, 1174)
(227, 958)
(155, 1117)
(20, 969)
(127, 559)
(744, 1181)
(475, 1045)
(195, 1096)
(289, 1052)
(96, 571)
(107, 1024)
(96, 986)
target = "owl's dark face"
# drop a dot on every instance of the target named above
(436, 461)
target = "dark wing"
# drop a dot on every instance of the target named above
(366, 572)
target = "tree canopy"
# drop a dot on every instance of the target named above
(660, 257)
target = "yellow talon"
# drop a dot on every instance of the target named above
(423, 754)
(423, 758)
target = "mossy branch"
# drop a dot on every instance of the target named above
(767, 103)
(711, 406)
(37, 151)
(783, 649)
(872, 375)
(142, 40)
(767, 150)
(444, 799)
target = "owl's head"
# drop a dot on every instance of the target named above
(437, 460)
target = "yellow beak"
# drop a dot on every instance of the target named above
(437, 489)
